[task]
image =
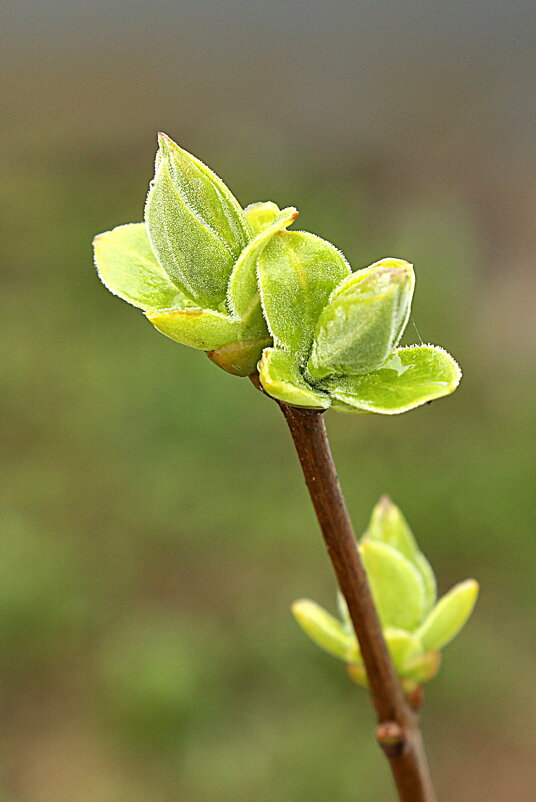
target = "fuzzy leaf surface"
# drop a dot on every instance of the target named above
(364, 320)
(243, 292)
(128, 268)
(280, 376)
(191, 253)
(410, 377)
(297, 272)
(206, 195)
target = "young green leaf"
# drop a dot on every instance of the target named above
(448, 616)
(297, 272)
(128, 267)
(324, 629)
(364, 320)
(243, 293)
(198, 328)
(396, 585)
(280, 376)
(205, 194)
(409, 377)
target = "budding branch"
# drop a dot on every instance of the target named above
(398, 730)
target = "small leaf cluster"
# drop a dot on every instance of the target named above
(416, 626)
(256, 297)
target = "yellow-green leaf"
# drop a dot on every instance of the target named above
(324, 629)
(128, 267)
(448, 616)
(410, 377)
(198, 328)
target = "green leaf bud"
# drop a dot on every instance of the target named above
(364, 320)
(396, 585)
(448, 616)
(325, 630)
(196, 227)
(388, 525)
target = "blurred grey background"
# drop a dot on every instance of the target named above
(147, 651)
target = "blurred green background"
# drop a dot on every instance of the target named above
(147, 651)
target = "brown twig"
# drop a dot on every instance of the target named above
(398, 731)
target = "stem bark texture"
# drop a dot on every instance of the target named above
(398, 730)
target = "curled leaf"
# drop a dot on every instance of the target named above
(409, 377)
(260, 215)
(281, 378)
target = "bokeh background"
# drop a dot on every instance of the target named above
(154, 523)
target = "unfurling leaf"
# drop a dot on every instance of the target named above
(128, 267)
(198, 328)
(364, 320)
(243, 292)
(408, 378)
